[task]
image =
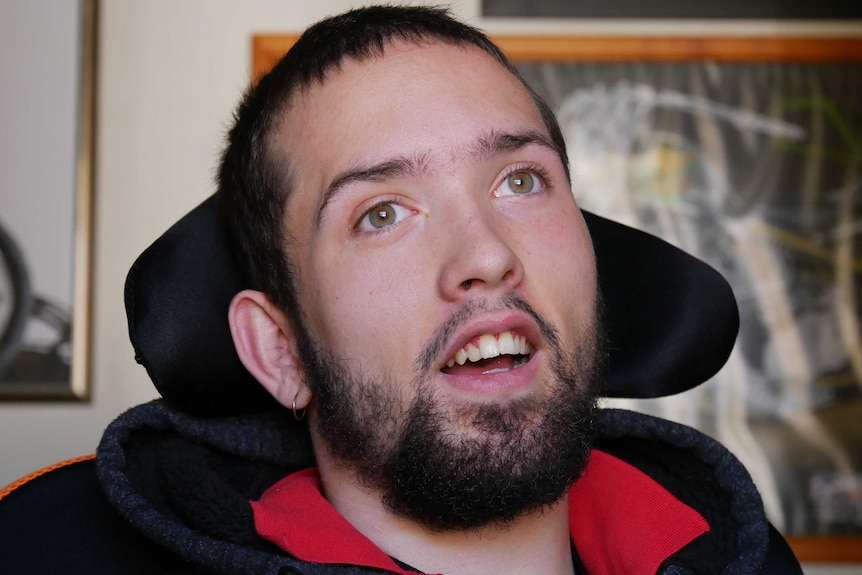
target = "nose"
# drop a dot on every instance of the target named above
(479, 258)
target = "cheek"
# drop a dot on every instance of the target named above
(563, 242)
(562, 264)
(365, 305)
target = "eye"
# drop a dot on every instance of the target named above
(521, 182)
(381, 216)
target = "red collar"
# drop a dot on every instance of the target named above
(621, 521)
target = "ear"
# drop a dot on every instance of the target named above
(264, 341)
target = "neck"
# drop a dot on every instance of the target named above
(537, 542)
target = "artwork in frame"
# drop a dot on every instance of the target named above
(745, 152)
(46, 194)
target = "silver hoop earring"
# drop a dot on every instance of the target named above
(298, 415)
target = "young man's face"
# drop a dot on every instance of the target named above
(431, 222)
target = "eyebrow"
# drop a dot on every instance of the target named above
(497, 142)
(484, 148)
(393, 168)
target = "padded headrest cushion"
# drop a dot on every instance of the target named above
(671, 319)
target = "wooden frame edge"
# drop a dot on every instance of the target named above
(268, 48)
(680, 48)
(85, 194)
(826, 549)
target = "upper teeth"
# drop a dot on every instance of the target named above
(489, 346)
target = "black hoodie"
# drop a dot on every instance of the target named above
(187, 485)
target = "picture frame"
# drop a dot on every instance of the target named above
(45, 337)
(671, 50)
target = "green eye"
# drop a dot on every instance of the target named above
(382, 216)
(521, 182)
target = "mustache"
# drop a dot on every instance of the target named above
(472, 309)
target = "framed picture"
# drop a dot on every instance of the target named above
(747, 152)
(46, 193)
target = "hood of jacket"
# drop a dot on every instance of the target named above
(186, 483)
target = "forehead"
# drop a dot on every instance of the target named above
(430, 100)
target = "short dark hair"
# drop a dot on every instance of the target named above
(253, 183)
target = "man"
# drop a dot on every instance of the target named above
(480, 419)
(427, 294)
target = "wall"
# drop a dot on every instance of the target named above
(170, 74)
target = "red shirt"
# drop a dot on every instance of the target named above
(621, 521)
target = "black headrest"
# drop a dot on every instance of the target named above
(671, 319)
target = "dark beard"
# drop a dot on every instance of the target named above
(511, 459)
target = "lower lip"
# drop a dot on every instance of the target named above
(498, 382)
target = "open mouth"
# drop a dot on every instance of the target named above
(490, 353)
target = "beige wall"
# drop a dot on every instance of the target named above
(170, 74)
